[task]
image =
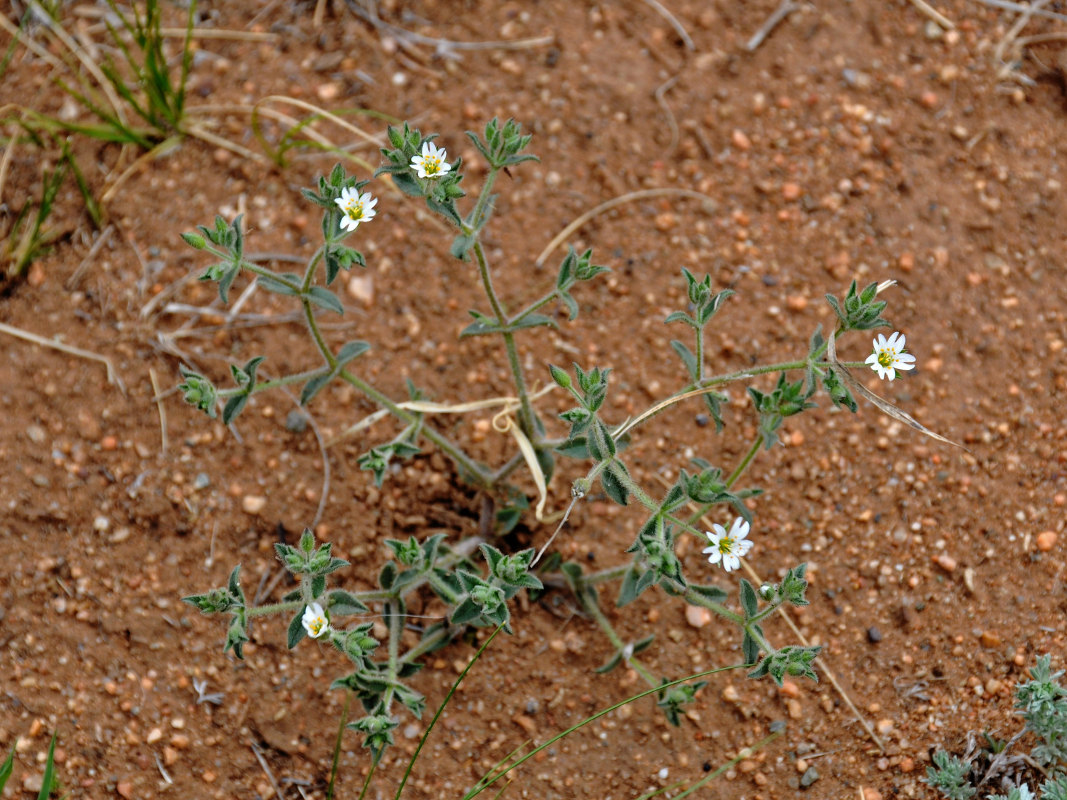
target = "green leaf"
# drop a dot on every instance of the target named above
(613, 487)
(687, 357)
(749, 601)
(467, 611)
(314, 386)
(321, 296)
(280, 284)
(749, 649)
(681, 316)
(48, 779)
(296, 632)
(610, 664)
(713, 593)
(387, 576)
(6, 768)
(343, 603)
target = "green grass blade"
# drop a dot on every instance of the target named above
(441, 708)
(48, 780)
(485, 784)
(92, 207)
(6, 768)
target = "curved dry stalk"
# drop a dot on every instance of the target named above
(579, 221)
(161, 149)
(200, 133)
(9, 151)
(672, 20)
(661, 99)
(87, 62)
(883, 405)
(280, 98)
(112, 376)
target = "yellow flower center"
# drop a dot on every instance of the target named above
(886, 358)
(354, 210)
(431, 165)
(726, 545)
(316, 625)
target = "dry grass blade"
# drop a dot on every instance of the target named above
(785, 8)
(933, 14)
(884, 406)
(672, 20)
(75, 279)
(224, 35)
(1007, 5)
(88, 63)
(112, 376)
(442, 45)
(160, 409)
(578, 222)
(1006, 70)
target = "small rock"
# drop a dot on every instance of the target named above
(870, 793)
(1046, 540)
(809, 777)
(361, 288)
(791, 191)
(527, 724)
(928, 99)
(328, 91)
(35, 433)
(874, 635)
(296, 421)
(794, 709)
(179, 741)
(740, 140)
(209, 776)
(907, 764)
(154, 735)
(124, 789)
(411, 730)
(789, 689)
(697, 616)
(989, 639)
(101, 524)
(253, 504)
(884, 726)
(730, 694)
(946, 562)
(170, 756)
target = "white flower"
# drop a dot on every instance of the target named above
(889, 356)
(728, 547)
(357, 207)
(431, 164)
(315, 622)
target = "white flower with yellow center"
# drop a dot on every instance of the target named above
(314, 620)
(431, 164)
(889, 356)
(357, 207)
(728, 548)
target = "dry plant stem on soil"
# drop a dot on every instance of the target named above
(112, 376)
(581, 219)
(933, 14)
(785, 8)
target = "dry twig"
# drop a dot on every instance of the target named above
(933, 14)
(785, 8)
(158, 397)
(75, 279)
(672, 20)
(579, 221)
(112, 376)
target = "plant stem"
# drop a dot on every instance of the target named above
(700, 354)
(594, 611)
(337, 745)
(475, 472)
(605, 575)
(526, 415)
(534, 306)
(756, 445)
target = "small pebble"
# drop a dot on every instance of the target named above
(1046, 540)
(874, 635)
(989, 639)
(946, 562)
(124, 789)
(697, 616)
(884, 726)
(809, 777)
(870, 793)
(253, 504)
(740, 140)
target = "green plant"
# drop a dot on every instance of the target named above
(49, 782)
(478, 594)
(1042, 704)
